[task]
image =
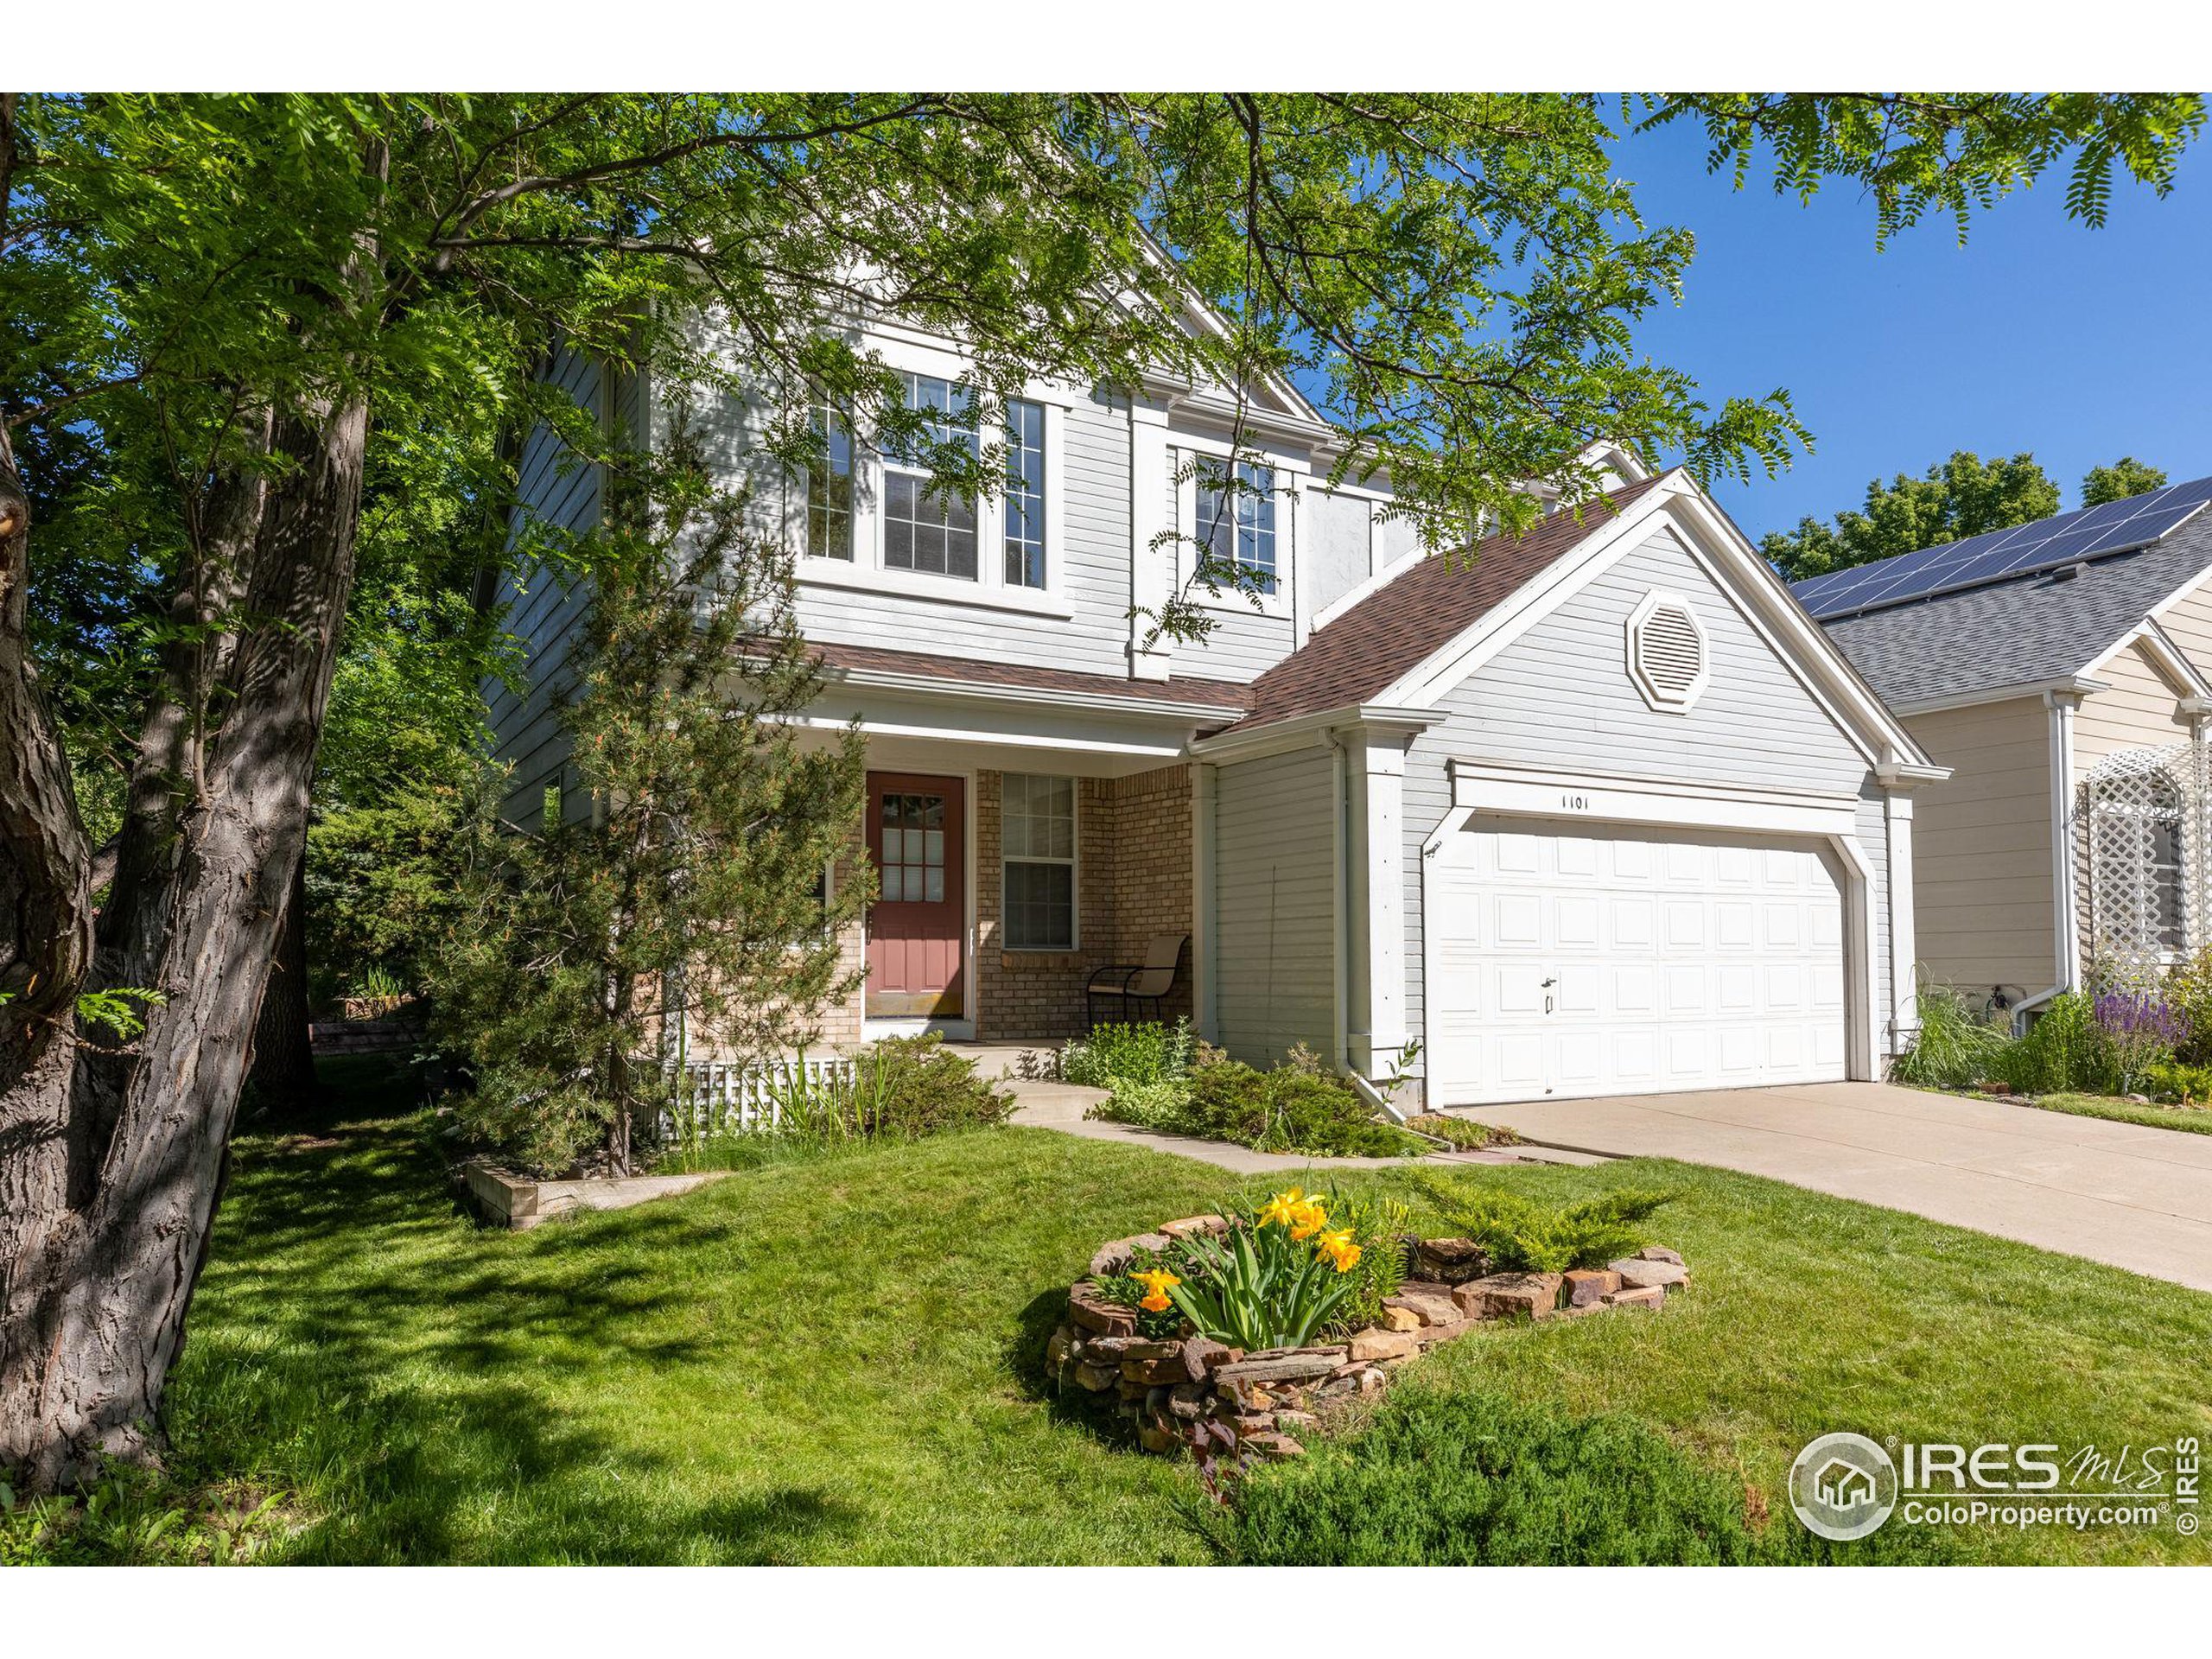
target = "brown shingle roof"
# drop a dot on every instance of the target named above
(1358, 656)
(1229, 697)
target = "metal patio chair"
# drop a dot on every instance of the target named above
(1131, 987)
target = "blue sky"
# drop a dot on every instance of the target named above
(2080, 346)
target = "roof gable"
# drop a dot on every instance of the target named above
(1365, 651)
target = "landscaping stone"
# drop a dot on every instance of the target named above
(1155, 1370)
(1638, 1275)
(1658, 1253)
(1202, 1354)
(1218, 1226)
(1509, 1295)
(1430, 1300)
(1381, 1345)
(1267, 1366)
(1094, 1313)
(1589, 1287)
(1453, 1261)
(1112, 1258)
(1162, 1385)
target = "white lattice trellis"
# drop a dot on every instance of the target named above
(2144, 828)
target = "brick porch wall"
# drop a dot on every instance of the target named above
(1133, 880)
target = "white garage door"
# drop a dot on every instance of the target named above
(1570, 963)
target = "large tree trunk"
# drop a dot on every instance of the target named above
(283, 1077)
(46, 948)
(113, 1306)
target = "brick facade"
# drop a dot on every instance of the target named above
(1132, 881)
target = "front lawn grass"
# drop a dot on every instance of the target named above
(2191, 1119)
(838, 1360)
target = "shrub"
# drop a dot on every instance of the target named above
(921, 1087)
(899, 1088)
(1521, 1236)
(2188, 990)
(2064, 1051)
(1481, 1479)
(1291, 1109)
(1958, 1045)
(2190, 1085)
(1115, 1054)
(1162, 1106)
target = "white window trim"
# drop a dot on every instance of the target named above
(866, 572)
(1290, 483)
(1074, 864)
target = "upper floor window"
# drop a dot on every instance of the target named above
(1025, 494)
(828, 483)
(1238, 526)
(927, 529)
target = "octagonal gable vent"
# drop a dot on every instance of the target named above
(1667, 655)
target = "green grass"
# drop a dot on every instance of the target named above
(838, 1360)
(2191, 1119)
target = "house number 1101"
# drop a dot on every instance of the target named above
(1574, 803)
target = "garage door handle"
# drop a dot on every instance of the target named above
(1551, 981)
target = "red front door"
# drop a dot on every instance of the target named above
(915, 835)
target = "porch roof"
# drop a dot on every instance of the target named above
(1226, 700)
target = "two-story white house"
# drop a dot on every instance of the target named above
(1596, 810)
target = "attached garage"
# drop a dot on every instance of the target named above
(1608, 814)
(1573, 960)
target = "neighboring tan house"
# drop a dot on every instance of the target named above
(1596, 810)
(2059, 670)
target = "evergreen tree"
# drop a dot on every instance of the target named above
(685, 874)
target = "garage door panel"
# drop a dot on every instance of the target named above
(1677, 960)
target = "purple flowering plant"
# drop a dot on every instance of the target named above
(2144, 1030)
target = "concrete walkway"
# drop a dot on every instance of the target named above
(1061, 1106)
(2137, 1197)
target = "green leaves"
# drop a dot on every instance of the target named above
(1953, 154)
(1258, 1289)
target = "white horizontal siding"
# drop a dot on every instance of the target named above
(554, 489)
(1275, 927)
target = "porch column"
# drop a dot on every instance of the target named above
(1375, 883)
(1203, 1013)
(1152, 569)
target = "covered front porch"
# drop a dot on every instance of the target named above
(1024, 837)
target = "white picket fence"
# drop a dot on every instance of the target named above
(728, 1096)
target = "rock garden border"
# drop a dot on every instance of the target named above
(1275, 1399)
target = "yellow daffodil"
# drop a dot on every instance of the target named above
(1156, 1282)
(1340, 1248)
(1309, 1219)
(1283, 1209)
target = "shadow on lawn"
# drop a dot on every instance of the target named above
(391, 1359)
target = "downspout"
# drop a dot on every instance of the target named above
(1340, 789)
(2065, 921)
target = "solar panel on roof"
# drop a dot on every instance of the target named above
(2002, 555)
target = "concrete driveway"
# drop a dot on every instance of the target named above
(2140, 1198)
